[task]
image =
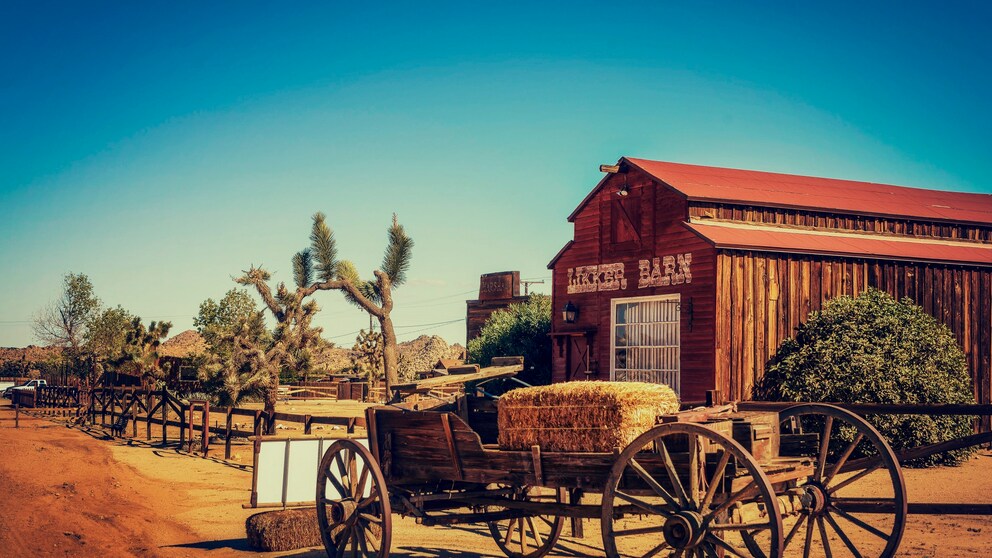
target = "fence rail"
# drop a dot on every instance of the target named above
(122, 408)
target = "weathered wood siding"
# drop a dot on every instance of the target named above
(660, 213)
(834, 221)
(763, 297)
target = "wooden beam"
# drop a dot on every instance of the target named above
(489, 373)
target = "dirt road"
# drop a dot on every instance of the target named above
(69, 492)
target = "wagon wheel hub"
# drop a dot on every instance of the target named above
(816, 498)
(684, 530)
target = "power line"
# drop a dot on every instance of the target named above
(425, 326)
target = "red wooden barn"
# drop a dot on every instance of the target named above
(692, 275)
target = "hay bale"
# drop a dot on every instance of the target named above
(280, 530)
(581, 416)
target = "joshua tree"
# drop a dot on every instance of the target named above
(244, 368)
(141, 348)
(368, 351)
(317, 268)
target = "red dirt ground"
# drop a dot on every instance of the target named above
(66, 492)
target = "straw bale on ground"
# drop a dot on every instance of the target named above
(281, 530)
(583, 416)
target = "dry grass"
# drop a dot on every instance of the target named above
(581, 416)
(276, 531)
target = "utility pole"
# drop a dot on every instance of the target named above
(527, 285)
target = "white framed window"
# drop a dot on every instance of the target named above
(644, 340)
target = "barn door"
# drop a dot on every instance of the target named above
(578, 358)
(645, 340)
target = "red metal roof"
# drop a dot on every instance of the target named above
(843, 196)
(794, 241)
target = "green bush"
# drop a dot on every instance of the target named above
(875, 349)
(519, 330)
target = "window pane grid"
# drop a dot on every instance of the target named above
(646, 341)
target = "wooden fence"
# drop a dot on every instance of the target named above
(122, 409)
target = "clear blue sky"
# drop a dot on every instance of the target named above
(160, 148)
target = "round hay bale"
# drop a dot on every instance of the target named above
(280, 530)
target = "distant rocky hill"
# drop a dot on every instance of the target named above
(31, 353)
(417, 355)
(187, 343)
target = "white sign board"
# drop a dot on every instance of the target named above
(285, 471)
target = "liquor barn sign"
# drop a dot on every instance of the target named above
(656, 272)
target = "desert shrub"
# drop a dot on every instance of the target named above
(875, 349)
(518, 330)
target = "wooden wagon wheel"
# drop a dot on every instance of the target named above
(685, 491)
(856, 473)
(352, 503)
(530, 536)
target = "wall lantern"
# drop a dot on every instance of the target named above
(570, 312)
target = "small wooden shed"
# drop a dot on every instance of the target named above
(693, 276)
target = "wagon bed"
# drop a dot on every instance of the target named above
(710, 482)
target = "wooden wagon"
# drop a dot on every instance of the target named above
(814, 480)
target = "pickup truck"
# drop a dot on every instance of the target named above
(30, 384)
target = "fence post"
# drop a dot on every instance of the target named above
(206, 427)
(149, 405)
(306, 423)
(258, 422)
(227, 435)
(17, 414)
(165, 417)
(113, 405)
(134, 414)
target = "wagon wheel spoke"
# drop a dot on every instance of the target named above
(349, 459)
(509, 532)
(794, 530)
(523, 535)
(860, 475)
(360, 535)
(745, 528)
(823, 536)
(809, 539)
(715, 481)
(860, 523)
(654, 484)
(643, 505)
(341, 466)
(354, 542)
(336, 484)
(694, 472)
(533, 529)
(362, 480)
(725, 545)
(736, 497)
(373, 496)
(748, 538)
(843, 536)
(821, 460)
(342, 542)
(639, 531)
(371, 518)
(371, 542)
(843, 458)
(672, 473)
